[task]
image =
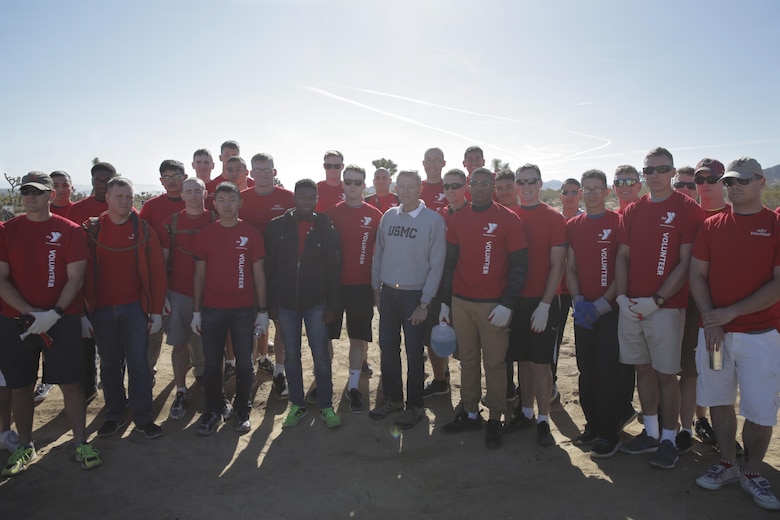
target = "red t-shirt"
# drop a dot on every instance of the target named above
(229, 254)
(357, 233)
(545, 228)
(655, 231)
(211, 186)
(118, 280)
(304, 228)
(38, 254)
(183, 263)
(61, 210)
(594, 242)
(446, 213)
(85, 208)
(433, 195)
(485, 240)
(258, 210)
(328, 196)
(742, 251)
(384, 202)
(157, 208)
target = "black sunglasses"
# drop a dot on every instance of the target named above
(681, 184)
(729, 181)
(523, 182)
(353, 182)
(480, 184)
(329, 166)
(452, 186)
(709, 179)
(625, 182)
(663, 168)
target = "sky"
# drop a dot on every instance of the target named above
(568, 85)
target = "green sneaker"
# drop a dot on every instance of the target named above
(294, 416)
(88, 456)
(332, 420)
(18, 461)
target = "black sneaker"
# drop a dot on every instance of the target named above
(704, 431)
(543, 435)
(384, 409)
(208, 424)
(462, 423)
(665, 456)
(409, 417)
(604, 449)
(586, 438)
(267, 366)
(110, 428)
(355, 400)
(684, 442)
(150, 430)
(366, 369)
(494, 437)
(436, 388)
(243, 424)
(311, 397)
(281, 390)
(179, 406)
(227, 410)
(518, 421)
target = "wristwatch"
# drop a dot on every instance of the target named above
(423, 306)
(659, 300)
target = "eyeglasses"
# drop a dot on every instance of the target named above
(30, 190)
(453, 186)
(480, 184)
(709, 179)
(625, 182)
(663, 168)
(681, 184)
(523, 182)
(569, 192)
(329, 166)
(263, 171)
(173, 177)
(597, 191)
(353, 182)
(729, 181)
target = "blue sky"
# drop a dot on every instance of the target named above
(568, 85)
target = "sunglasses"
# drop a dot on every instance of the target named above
(709, 179)
(625, 182)
(173, 177)
(480, 184)
(29, 190)
(523, 182)
(453, 186)
(569, 192)
(353, 182)
(597, 191)
(650, 170)
(329, 166)
(263, 171)
(681, 184)
(729, 181)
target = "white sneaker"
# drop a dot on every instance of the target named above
(718, 476)
(761, 491)
(42, 391)
(9, 441)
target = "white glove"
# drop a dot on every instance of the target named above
(166, 307)
(195, 323)
(644, 307)
(603, 306)
(444, 314)
(44, 320)
(499, 316)
(86, 328)
(539, 317)
(155, 324)
(261, 323)
(625, 307)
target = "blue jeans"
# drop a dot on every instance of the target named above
(317, 332)
(395, 308)
(121, 337)
(215, 324)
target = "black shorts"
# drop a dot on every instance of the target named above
(358, 302)
(525, 345)
(63, 362)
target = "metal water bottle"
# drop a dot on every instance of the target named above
(716, 358)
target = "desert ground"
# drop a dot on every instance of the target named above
(365, 469)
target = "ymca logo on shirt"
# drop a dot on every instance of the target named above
(440, 197)
(242, 242)
(604, 235)
(490, 229)
(668, 219)
(53, 238)
(366, 221)
(761, 233)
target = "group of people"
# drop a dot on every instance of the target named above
(676, 294)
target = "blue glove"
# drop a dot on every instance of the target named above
(585, 315)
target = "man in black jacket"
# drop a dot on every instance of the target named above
(303, 269)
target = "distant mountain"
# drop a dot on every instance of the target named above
(552, 185)
(773, 173)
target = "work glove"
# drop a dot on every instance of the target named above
(261, 323)
(539, 317)
(86, 328)
(625, 304)
(44, 320)
(195, 323)
(444, 314)
(155, 324)
(644, 307)
(499, 316)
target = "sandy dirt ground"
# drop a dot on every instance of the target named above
(365, 469)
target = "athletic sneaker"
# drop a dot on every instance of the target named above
(208, 424)
(665, 457)
(179, 406)
(294, 416)
(409, 417)
(281, 391)
(42, 392)
(267, 366)
(88, 456)
(18, 461)
(355, 399)
(604, 448)
(150, 430)
(110, 428)
(243, 424)
(387, 407)
(366, 369)
(704, 431)
(462, 423)
(684, 442)
(586, 438)
(518, 421)
(494, 437)
(760, 490)
(9, 441)
(227, 410)
(435, 387)
(627, 418)
(642, 443)
(543, 435)
(230, 372)
(718, 476)
(311, 397)
(332, 420)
